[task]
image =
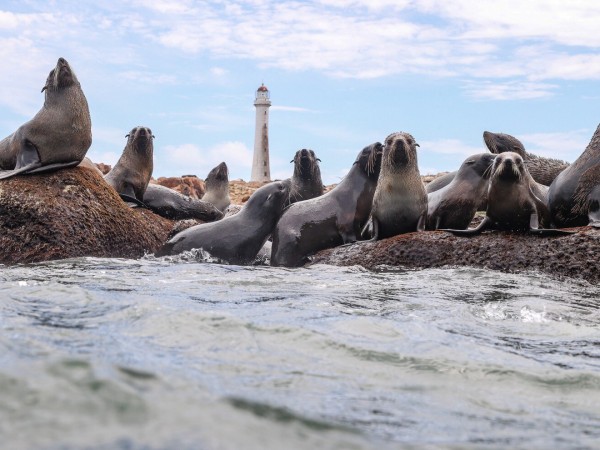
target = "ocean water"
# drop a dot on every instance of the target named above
(172, 353)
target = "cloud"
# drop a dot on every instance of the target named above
(291, 109)
(510, 90)
(191, 159)
(449, 147)
(565, 145)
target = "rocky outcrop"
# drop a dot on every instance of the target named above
(189, 185)
(72, 213)
(573, 256)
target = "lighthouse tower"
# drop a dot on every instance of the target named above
(260, 164)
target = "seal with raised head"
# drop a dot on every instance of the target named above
(171, 204)
(542, 170)
(568, 197)
(132, 173)
(515, 201)
(400, 201)
(455, 205)
(217, 187)
(332, 219)
(236, 239)
(305, 182)
(58, 136)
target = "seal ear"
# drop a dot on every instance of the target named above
(318, 160)
(129, 134)
(292, 161)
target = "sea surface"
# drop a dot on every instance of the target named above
(173, 353)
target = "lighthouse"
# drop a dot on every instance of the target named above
(260, 163)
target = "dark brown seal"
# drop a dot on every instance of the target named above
(306, 182)
(58, 136)
(132, 173)
(400, 201)
(543, 170)
(455, 205)
(171, 204)
(515, 201)
(236, 239)
(568, 197)
(333, 219)
(217, 187)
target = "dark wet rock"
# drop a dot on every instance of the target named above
(572, 256)
(72, 213)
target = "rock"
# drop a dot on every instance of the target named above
(72, 213)
(104, 168)
(189, 185)
(572, 256)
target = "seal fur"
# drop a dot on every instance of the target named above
(515, 201)
(236, 239)
(455, 205)
(132, 173)
(332, 219)
(400, 200)
(542, 170)
(217, 187)
(58, 136)
(306, 182)
(568, 197)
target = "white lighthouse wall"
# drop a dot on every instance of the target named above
(260, 164)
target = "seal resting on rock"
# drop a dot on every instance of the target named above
(236, 239)
(305, 182)
(568, 197)
(171, 204)
(58, 136)
(515, 201)
(332, 219)
(400, 201)
(132, 173)
(542, 170)
(455, 205)
(217, 187)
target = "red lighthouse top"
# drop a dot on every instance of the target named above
(262, 88)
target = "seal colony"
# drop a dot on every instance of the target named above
(383, 186)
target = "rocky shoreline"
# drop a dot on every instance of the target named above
(74, 213)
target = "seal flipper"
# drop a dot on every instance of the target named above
(28, 160)
(55, 166)
(543, 212)
(485, 224)
(132, 201)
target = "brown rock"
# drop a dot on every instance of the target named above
(561, 256)
(188, 185)
(104, 168)
(72, 213)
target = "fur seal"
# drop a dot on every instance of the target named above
(58, 136)
(305, 182)
(455, 205)
(132, 173)
(400, 200)
(175, 206)
(217, 187)
(542, 170)
(236, 239)
(568, 197)
(332, 219)
(515, 201)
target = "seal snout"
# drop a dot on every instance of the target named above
(508, 166)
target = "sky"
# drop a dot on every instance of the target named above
(342, 74)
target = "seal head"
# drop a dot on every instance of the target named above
(306, 181)
(217, 187)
